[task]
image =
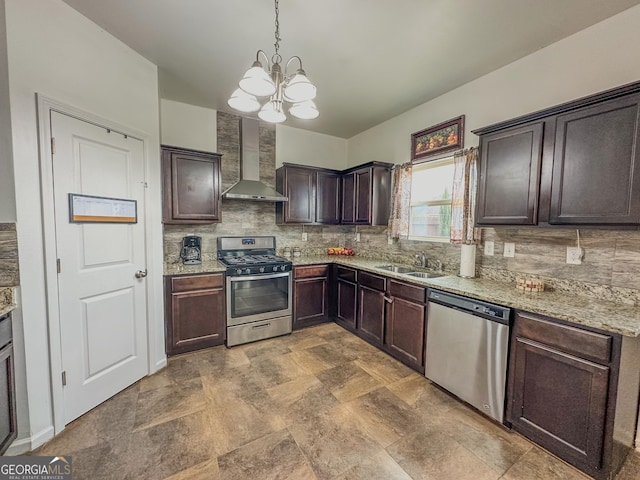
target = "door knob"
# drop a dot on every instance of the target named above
(141, 273)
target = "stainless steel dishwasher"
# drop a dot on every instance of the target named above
(466, 349)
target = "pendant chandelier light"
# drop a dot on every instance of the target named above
(294, 88)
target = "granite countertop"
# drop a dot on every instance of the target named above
(7, 303)
(582, 310)
(212, 266)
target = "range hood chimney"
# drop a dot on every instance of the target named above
(250, 187)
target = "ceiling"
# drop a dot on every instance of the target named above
(371, 60)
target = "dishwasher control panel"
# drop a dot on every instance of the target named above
(470, 305)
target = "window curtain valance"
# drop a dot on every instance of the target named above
(463, 203)
(400, 201)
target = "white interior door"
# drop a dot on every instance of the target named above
(102, 303)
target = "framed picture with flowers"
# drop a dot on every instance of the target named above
(444, 137)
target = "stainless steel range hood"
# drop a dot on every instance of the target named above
(250, 187)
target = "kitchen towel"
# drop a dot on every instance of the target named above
(468, 261)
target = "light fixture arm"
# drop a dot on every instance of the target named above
(295, 57)
(257, 62)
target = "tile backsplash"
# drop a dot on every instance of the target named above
(610, 268)
(9, 271)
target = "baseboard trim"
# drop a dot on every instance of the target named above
(24, 445)
(160, 364)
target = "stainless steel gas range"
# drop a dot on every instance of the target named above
(258, 289)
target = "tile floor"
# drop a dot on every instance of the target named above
(319, 404)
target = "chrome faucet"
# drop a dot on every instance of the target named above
(421, 260)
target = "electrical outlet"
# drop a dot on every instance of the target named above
(509, 250)
(304, 236)
(574, 255)
(488, 248)
(358, 237)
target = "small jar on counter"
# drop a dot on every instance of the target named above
(286, 252)
(296, 251)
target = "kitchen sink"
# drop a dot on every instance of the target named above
(425, 275)
(395, 268)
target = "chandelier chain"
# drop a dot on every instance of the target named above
(277, 44)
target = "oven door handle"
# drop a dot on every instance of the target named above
(265, 276)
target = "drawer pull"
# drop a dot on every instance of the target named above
(261, 326)
(388, 300)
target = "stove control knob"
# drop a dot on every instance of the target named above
(283, 268)
(261, 269)
(238, 271)
(275, 269)
(247, 271)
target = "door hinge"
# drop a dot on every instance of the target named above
(53, 146)
(64, 378)
(58, 264)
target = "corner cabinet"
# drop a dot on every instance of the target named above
(191, 186)
(320, 196)
(366, 194)
(310, 295)
(573, 164)
(314, 195)
(195, 313)
(8, 418)
(565, 392)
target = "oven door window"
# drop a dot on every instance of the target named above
(257, 296)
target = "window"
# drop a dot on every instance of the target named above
(431, 184)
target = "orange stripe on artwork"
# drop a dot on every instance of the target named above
(93, 218)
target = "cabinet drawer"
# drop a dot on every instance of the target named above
(196, 282)
(311, 272)
(5, 330)
(582, 343)
(373, 281)
(348, 274)
(406, 291)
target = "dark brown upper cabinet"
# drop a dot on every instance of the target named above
(574, 164)
(596, 165)
(509, 176)
(314, 195)
(366, 194)
(191, 186)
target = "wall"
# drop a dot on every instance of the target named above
(308, 148)
(589, 61)
(55, 51)
(7, 193)
(183, 125)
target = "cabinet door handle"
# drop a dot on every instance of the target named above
(261, 326)
(388, 300)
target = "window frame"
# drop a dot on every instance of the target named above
(440, 162)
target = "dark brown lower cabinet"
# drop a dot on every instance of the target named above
(565, 394)
(347, 297)
(405, 323)
(310, 295)
(8, 420)
(195, 312)
(371, 301)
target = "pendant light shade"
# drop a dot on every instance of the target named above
(299, 88)
(256, 81)
(275, 83)
(243, 102)
(272, 112)
(306, 110)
